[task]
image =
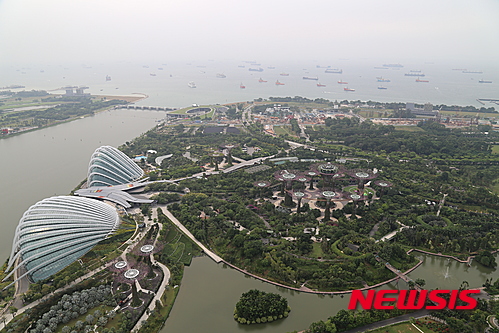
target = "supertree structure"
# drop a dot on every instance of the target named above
(384, 184)
(299, 195)
(329, 173)
(302, 179)
(131, 276)
(215, 157)
(229, 151)
(329, 195)
(362, 176)
(287, 178)
(355, 197)
(311, 174)
(145, 249)
(261, 184)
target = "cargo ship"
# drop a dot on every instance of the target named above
(419, 80)
(380, 79)
(310, 78)
(333, 71)
(277, 83)
(191, 84)
(484, 81)
(381, 87)
(393, 65)
(108, 78)
(221, 76)
(259, 69)
(284, 74)
(348, 89)
(414, 74)
(320, 85)
(261, 80)
(242, 86)
(342, 82)
(472, 72)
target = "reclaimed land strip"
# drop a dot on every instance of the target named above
(310, 291)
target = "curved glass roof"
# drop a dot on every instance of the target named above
(56, 231)
(109, 166)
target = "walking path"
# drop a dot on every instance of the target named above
(208, 252)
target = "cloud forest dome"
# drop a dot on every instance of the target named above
(108, 166)
(56, 231)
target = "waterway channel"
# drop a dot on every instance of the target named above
(52, 161)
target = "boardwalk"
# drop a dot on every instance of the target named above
(401, 275)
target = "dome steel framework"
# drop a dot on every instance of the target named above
(57, 231)
(108, 166)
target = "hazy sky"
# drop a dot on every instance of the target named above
(86, 31)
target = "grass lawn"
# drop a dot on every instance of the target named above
(282, 130)
(316, 251)
(367, 190)
(402, 328)
(495, 149)
(409, 128)
(184, 110)
(469, 114)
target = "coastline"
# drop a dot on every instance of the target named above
(129, 99)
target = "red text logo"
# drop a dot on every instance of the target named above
(413, 299)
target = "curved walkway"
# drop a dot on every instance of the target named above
(311, 291)
(172, 218)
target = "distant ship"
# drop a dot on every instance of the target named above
(261, 80)
(484, 81)
(393, 65)
(284, 74)
(259, 69)
(271, 67)
(419, 80)
(415, 71)
(108, 78)
(221, 76)
(342, 82)
(191, 84)
(241, 66)
(242, 86)
(277, 83)
(472, 72)
(381, 87)
(380, 79)
(320, 85)
(160, 68)
(348, 89)
(333, 71)
(310, 78)
(414, 74)
(152, 74)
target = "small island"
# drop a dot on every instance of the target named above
(258, 307)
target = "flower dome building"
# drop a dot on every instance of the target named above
(55, 232)
(109, 166)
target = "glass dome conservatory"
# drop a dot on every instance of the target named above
(57, 231)
(109, 166)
